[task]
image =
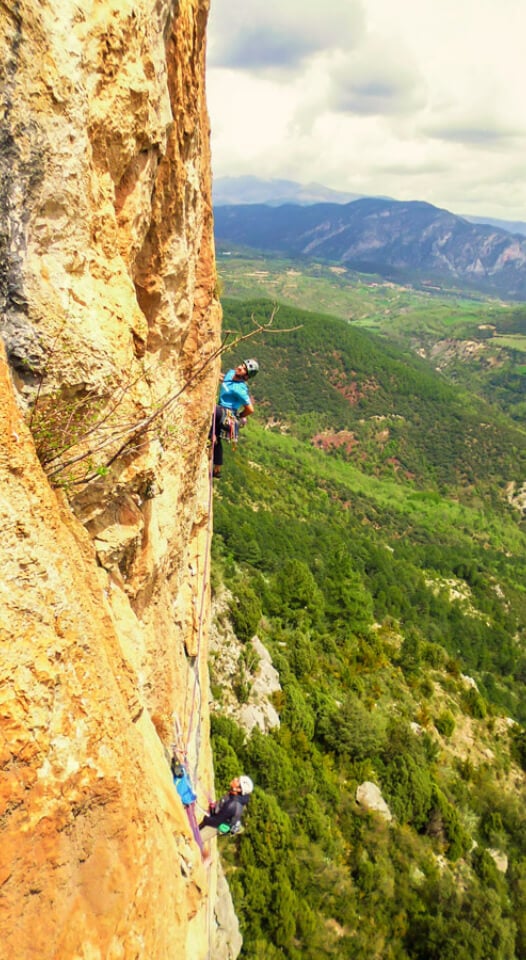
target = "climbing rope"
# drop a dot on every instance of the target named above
(183, 737)
(200, 619)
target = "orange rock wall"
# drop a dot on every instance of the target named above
(107, 306)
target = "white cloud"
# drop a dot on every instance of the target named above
(375, 80)
(414, 99)
(260, 35)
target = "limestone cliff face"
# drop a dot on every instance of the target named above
(110, 327)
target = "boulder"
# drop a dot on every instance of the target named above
(368, 795)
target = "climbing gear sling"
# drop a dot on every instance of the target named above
(182, 783)
(229, 426)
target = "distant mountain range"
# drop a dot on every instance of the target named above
(234, 190)
(274, 192)
(512, 226)
(402, 241)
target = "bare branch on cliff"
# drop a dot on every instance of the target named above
(262, 328)
(134, 433)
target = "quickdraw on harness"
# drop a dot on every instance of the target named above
(229, 427)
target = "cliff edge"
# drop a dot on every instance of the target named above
(111, 330)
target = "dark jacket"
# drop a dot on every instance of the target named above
(228, 810)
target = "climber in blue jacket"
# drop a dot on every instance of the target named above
(235, 405)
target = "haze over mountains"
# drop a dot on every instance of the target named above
(249, 189)
(405, 241)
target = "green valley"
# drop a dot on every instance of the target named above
(476, 340)
(363, 531)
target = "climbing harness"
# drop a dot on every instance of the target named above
(229, 427)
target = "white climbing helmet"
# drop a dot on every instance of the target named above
(252, 367)
(246, 785)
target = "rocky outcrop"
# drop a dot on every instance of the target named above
(500, 859)
(516, 495)
(260, 711)
(243, 672)
(369, 796)
(228, 940)
(110, 325)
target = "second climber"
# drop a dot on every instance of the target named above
(225, 816)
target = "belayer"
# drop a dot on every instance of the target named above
(235, 405)
(225, 815)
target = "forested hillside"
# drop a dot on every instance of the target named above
(366, 401)
(479, 342)
(362, 530)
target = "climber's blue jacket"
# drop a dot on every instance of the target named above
(233, 394)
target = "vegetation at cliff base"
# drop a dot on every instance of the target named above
(363, 531)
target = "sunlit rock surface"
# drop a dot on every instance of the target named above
(110, 327)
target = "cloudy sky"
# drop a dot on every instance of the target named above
(413, 99)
